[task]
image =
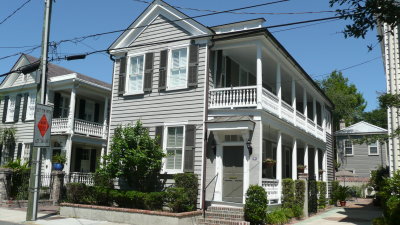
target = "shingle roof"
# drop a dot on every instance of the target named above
(55, 70)
(361, 128)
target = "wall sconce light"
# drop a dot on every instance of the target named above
(249, 147)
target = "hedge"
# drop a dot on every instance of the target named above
(321, 186)
(288, 193)
(255, 208)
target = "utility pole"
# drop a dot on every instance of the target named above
(34, 181)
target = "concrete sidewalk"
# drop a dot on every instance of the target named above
(47, 217)
(359, 212)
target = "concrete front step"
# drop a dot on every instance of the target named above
(225, 209)
(225, 215)
(209, 221)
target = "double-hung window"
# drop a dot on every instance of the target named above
(348, 147)
(135, 74)
(30, 112)
(178, 68)
(11, 109)
(373, 149)
(174, 149)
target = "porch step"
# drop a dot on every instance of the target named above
(208, 221)
(225, 209)
(225, 215)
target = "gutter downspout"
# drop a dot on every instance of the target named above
(205, 130)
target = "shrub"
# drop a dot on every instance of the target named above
(297, 211)
(288, 190)
(178, 200)
(300, 188)
(189, 182)
(288, 212)
(322, 194)
(392, 210)
(378, 221)
(102, 179)
(76, 192)
(154, 200)
(313, 198)
(99, 195)
(334, 194)
(277, 217)
(255, 209)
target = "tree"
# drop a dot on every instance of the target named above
(134, 156)
(367, 14)
(377, 117)
(349, 103)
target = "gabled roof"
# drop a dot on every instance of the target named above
(361, 128)
(155, 9)
(55, 70)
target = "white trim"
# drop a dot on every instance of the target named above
(344, 147)
(169, 68)
(9, 118)
(164, 160)
(28, 104)
(128, 67)
(377, 149)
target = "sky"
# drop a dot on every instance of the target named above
(319, 48)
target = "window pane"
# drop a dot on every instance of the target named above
(348, 151)
(178, 68)
(178, 159)
(135, 81)
(175, 137)
(170, 159)
(373, 150)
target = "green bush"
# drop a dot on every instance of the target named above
(378, 221)
(300, 187)
(356, 191)
(322, 194)
(178, 200)
(76, 192)
(313, 198)
(297, 211)
(288, 190)
(189, 182)
(335, 192)
(256, 205)
(288, 212)
(154, 200)
(99, 195)
(392, 210)
(277, 217)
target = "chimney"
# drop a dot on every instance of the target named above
(342, 124)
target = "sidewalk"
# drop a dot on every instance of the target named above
(46, 216)
(359, 212)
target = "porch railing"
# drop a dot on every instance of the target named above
(287, 112)
(270, 102)
(271, 186)
(233, 97)
(310, 126)
(60, 125)
(78, 177)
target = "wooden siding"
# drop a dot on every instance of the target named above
(360, 162)
(330, 161)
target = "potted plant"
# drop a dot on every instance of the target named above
(269, 162)
(58, 162)
(300, 168)
(342, 194)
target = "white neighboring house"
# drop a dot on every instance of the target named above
(391, 58)
(80, 118)
(222, 99)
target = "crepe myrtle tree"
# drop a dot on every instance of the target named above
(134, 157)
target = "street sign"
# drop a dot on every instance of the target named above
(43, 118)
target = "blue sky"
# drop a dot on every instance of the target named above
(320, 49)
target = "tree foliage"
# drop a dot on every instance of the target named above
(367, 14)
(349, 103)
(134, 156)
(377, 117)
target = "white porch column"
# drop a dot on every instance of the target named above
(324, 166)
(105, 118)
(324, 122)
(316, 164)
(71, 114)
(315, 111)
(294, 105)
(306, 158)
(259, 76)
(279, 165)
(278, 87)
(294, 159)
(218, 169)
(305, 104)
(68, 154)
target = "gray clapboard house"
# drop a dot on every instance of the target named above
(80, 119)
(222, 99)
(361, 159)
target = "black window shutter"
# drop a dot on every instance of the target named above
(218, 78)
(190, 140)
(148, 72)
(24, 107)
(122, 76)
(193, 65)
(159, 135)
(96, 112)
(5, 108)
(19, 152)
(1, 151)
(11, 152)
(162, 79)
(17, 107)
(92, 160)
(57, 106)
(78, 157)
(82, 104)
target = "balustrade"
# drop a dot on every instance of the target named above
(60, 125)
(233, 97)
(271, 186)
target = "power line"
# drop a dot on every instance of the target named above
(249, 13)
(19, 53)
(14, 12)
(294, 28)
(26, 46)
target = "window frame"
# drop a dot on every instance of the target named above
(128, 68)
(377, 149)
(27, 118)
(165, 142)
(344, 147)
(10, 119)
(169, 68)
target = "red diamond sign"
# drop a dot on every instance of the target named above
(43, 125)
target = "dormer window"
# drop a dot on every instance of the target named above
(135, 74)
(178, 68)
